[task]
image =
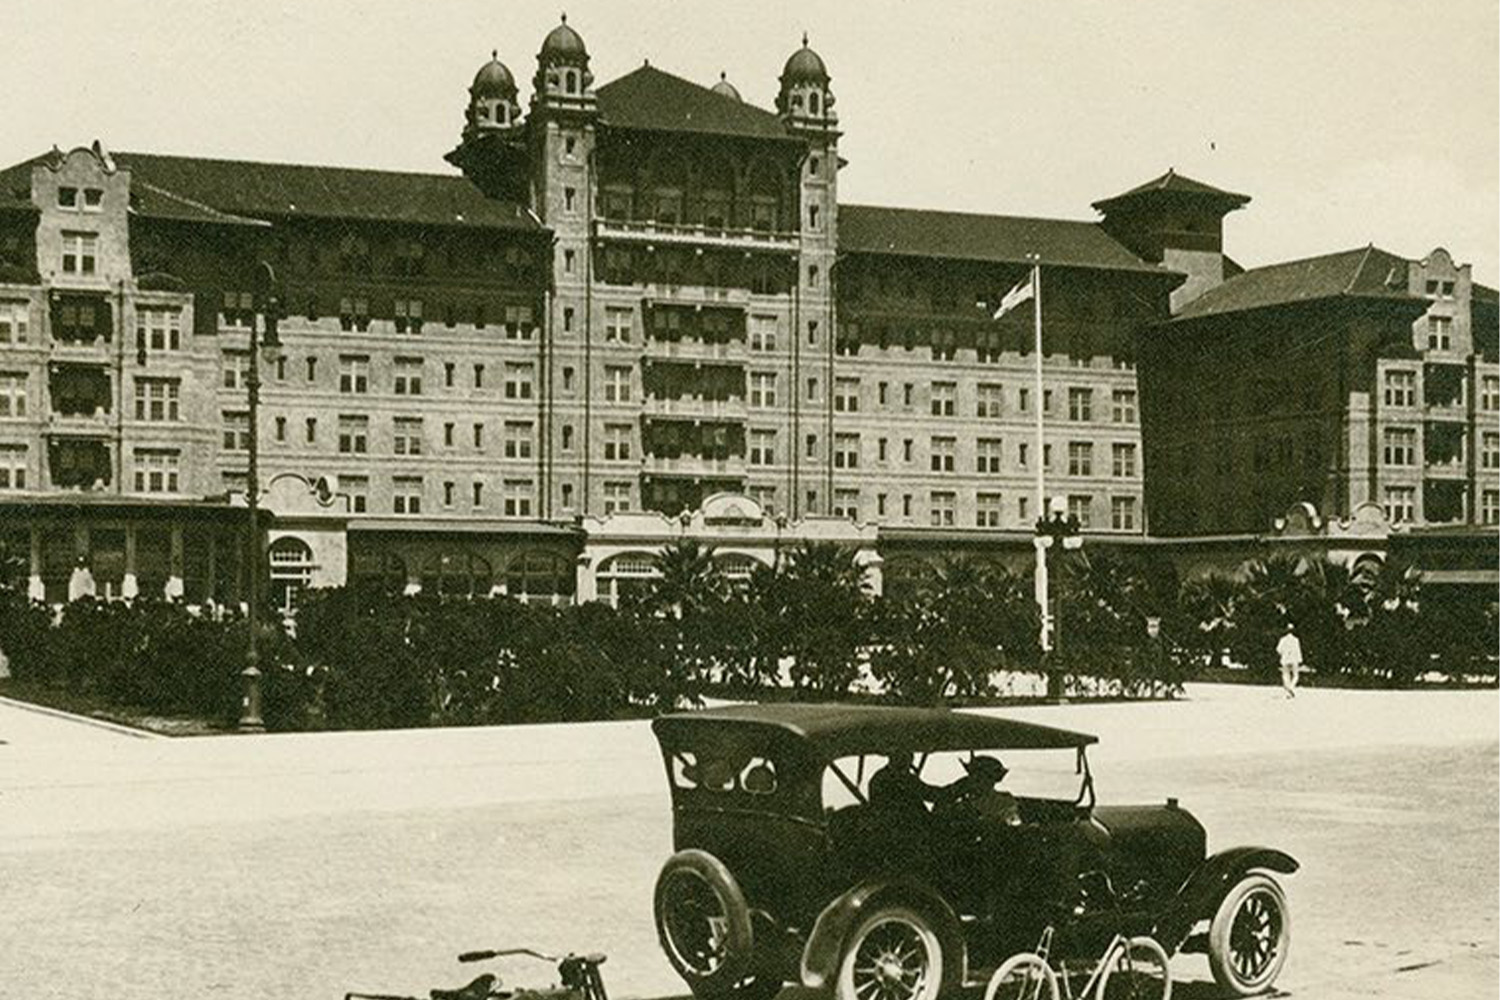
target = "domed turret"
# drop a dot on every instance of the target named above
(726, 88)
(562, 70)
(492, 98)
(805, 100)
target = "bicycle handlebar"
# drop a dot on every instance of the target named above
(488, 953)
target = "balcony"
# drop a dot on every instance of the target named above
(690, 350)
(693, 234)
(81, 396)
(79, 463)
(662, 294)
(697, 409)
(696, 466)
(1445, 453)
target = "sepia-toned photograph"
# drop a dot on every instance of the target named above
(649, 500)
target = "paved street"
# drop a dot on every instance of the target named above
(301, 866)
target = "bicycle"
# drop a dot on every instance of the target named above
(1131, 968)
(578, 975)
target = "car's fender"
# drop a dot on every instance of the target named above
(825, 945)
(1201, 893)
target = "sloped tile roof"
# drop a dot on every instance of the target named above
(207, 190)
(649, 98)
(1367, 272)
(1173, 183)
(1000, 238)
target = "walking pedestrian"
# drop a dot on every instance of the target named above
(1289, 651)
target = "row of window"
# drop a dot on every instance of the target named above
(849, 452)
(1400, 449)
(989, 399)
(1400, 390)
(989, 508)
(1401, 505)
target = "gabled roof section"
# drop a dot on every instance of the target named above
(1003, 239)
(649, 98)
(261, 190)
(151, 202)
(1172, 182)
(1366, 273)
(15, 184)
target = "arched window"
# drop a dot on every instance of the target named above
(626, 575)
(457, 574)
(383, 571)
(291, 572)
(543, 577)
(737, 567)
(812, 102)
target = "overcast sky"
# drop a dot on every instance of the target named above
(1347, 121)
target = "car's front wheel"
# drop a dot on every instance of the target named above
(1249, 936)
(895, 953)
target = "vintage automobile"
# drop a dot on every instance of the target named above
(797, 861)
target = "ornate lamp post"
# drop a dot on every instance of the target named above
(263, 337)
(1055, 527)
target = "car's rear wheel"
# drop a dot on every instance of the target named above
(1249, 936)
(895, 953)
(704, 926)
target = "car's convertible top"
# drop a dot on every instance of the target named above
(835, 731)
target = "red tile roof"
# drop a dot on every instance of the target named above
(1172, 182)
(649, 98)
(1367, 273)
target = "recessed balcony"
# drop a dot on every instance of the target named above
(651, 231)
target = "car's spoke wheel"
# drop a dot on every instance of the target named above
(894, 954)
(1023, 977)
(1249, 936)
(1137, 971)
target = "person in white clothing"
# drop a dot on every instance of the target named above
(1289, 650)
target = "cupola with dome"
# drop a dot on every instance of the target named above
(726, 89)
(492, 99)
(805, 100)
(563, 80)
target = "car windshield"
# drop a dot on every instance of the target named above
(1036, 774)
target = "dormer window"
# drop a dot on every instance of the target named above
(93, 199)
(67, 197)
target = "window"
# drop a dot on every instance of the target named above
(1122, 406)
(236, 430)
(1400, 504)
(448, 488)
(158, 329)
(617, 442)
(354, 374)
(762, 333)
(567, 437)
(1400, 446)
(762, 447)
(1489, 393)
(1081, 405)
(1046, 400)
(156, 471)
(407, 435)
(766, 497)
(908, 448)
(15, 318)
(1439, 333)
(518, 498)
(618, 324)
(409, 258)
(812, 446)
(1080, 458)
(354, 313)
(354, 434)
(570, 259)
(616, 497)
(408, 315)
(1023, 400)
(478, 436)
(79, 252)
(12, 467)
(312, 368)
(813, 276)
(617, 384)
(882, 450)
(281, 428)
(943, 454)
(518, 379)
(357, 488)
(1122, 513)
(846, 451)
(1080, 506)
(67, 197)
(944, 395)
(987, 401)
(846, 504)
(476, 495)
(812, 217)
(846, 395)
(235, 369)
(1489, 452)
(1022, 508)
(156, 399)
(812, 333)
(570, 197)
(449, 374)
(1400, 388)
(812, 390)
(987, 510)
(763, 389)
(406, 494)
(448, 434)
(519, 324)
(93, 201)
(988, 453)
(908, 393)
(882, 393)
(941, 505)
(1123, 465)
(1489, 507)
(13, 395)
(408, 377)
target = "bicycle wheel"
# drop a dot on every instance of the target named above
(1023, 977)
(1136, 970)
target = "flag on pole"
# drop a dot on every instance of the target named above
(1015, 297)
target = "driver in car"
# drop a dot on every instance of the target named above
(978, 791)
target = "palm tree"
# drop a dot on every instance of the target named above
(690, 579)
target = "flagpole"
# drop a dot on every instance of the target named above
(1039, 457)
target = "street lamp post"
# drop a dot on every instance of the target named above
(263, 336)
(1054, 527)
